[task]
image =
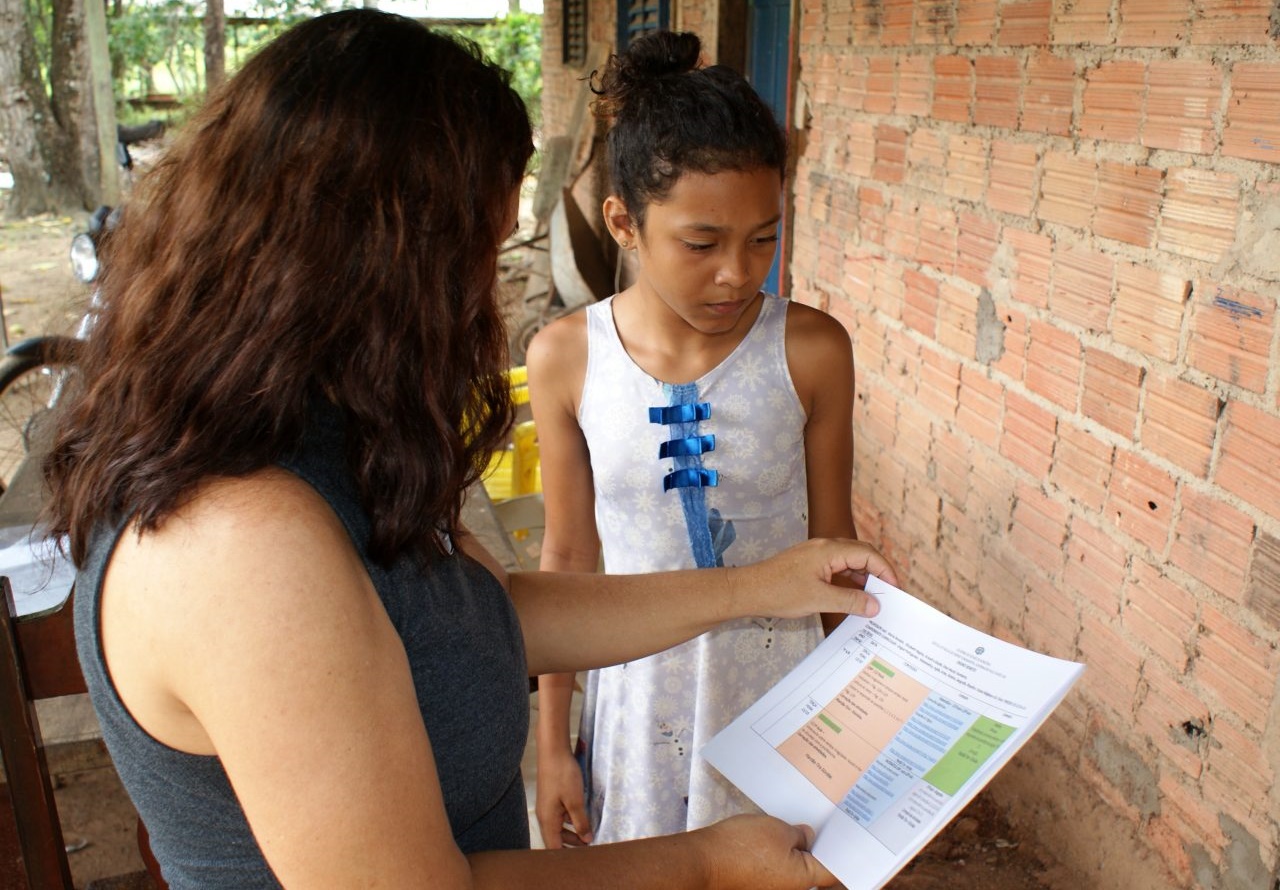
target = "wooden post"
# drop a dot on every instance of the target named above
(104, 102)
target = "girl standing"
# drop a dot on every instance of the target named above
(689, 421)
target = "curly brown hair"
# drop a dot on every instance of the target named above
(328, 226)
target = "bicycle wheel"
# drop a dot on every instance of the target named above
(31, 376)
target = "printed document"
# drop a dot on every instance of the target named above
(886, 730)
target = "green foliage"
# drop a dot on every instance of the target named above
(167, 36)
(515, 42)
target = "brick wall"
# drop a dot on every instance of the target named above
(1052, 229)
(1053, 232)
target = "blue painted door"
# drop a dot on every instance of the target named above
(769, 39)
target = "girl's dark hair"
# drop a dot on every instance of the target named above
(327, 227)
(669, 116)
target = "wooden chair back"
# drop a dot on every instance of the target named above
(37, 660)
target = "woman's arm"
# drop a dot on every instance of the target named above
(820, 357)
(618, 618)
(570, 543)
(246, 627)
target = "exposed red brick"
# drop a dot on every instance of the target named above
(1086, 22)
(1013, 177)
(895, 22)
(1029, 433)
(866, 24)
(880, 85)
(952, 88)
(1081, 466)
(976, 248)
(1111, 391)
(1128, 203)
(998, 97)
(1231, 332)
(1024, 23)
(1201, 819)
(920, 309)
(1212, 542)
(1016, 339)
(1112, 94)
(1248, 459)
(1095, 566)
(1140, 500)
(939, 390)
(891, 152)
(937, 238)
(1253, 112)
(1263, 594)
(1179, 423)
(1198, 217)
(935, 23)
(1114, 665)
(975, 22)
(1002, 584)
(1166, 710)
(851, 82)
(965, 550)
(1233, 22)
(1068, 188)
(1052, 618)
(1049, 97)
(1149, 308)
(966, 168)
(877, 421)
(1039, 528)
(1032, 260)
(1053, 365)
(913, 433)
(1182, 99)
(915, 82)
(981, 405)
(927, 159)
(1234, 776)
(957, 320)
(1081, 292)
(1160, 614)
(902, 229)
(1154, 22)
(1236, 666)
(889, 294)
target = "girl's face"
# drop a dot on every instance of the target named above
(706, 248)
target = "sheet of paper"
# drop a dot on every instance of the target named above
(886, 730)
(40, 576)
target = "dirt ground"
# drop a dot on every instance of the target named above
(980, 850)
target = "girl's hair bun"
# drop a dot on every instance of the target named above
(649, 58)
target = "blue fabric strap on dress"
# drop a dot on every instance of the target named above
(687, 445)
(685, 412)
(689, 476)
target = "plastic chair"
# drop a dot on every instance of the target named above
(38, 661)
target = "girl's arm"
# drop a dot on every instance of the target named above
(557, 368)
(820, 357)
(246, 627)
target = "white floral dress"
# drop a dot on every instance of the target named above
(728, 489)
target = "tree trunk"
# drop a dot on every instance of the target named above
(71, 95)
(37, 146)
(215, 45)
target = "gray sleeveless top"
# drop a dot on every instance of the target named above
(466, 653)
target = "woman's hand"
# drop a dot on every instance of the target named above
(820, 575)
(561, 801)
(762, 853)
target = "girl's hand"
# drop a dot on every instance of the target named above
(560, 801)
(762, 853)
(820, 575)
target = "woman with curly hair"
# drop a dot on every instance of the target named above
(306, 672)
